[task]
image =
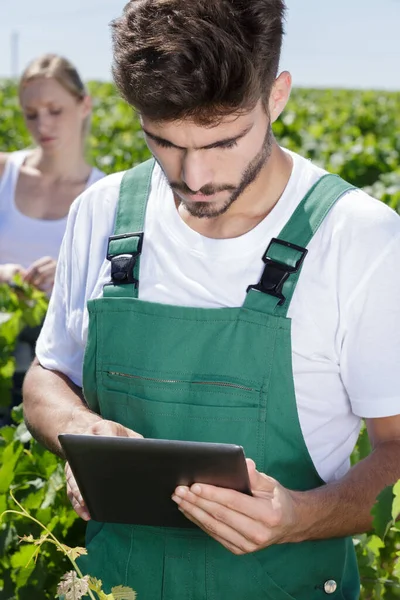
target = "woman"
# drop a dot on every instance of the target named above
(38, 186)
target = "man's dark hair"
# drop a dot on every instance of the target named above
(198, 59)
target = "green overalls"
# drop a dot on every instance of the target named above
(212, 375)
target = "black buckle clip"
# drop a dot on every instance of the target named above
(275, 273)
(122, 265)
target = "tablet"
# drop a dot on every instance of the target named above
(131, 480)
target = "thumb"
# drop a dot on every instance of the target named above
(259, 482)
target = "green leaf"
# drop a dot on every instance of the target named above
(17, 414)
(382, 512)
(23, 557)
(374, 544)
(123, 593)
(21, 576)
(7, 433)
(56, 483)
(73, 553)
(396, 501)
(396, 570)
(95, 584)
(10, 459)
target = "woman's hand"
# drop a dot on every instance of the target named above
(41, 273)
(7, 272)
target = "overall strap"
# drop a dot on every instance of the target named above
(125, 246)
(285, 254)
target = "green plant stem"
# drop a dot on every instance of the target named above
(54, 540)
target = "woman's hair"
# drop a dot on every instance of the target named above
(199, 59)
(63, 71)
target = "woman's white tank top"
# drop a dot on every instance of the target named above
(25, 239)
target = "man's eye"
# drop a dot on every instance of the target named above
(163, 144)
(56, 111)
(231, 144)
(30, 117)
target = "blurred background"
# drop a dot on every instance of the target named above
(346, 43)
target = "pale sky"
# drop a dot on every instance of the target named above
(344, 43)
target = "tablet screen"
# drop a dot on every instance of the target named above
(131, 480)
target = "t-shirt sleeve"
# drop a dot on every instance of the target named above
(370, 353)
(59, 346)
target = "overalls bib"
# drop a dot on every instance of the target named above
(211, 375)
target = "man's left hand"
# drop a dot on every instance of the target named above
(241, 523)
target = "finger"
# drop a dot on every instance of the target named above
(46, 270)
(230, 499)
(227, 536)
(228, 545)
(73, 490)
(104, 427)
(81, 511)
(133, 434)
(41, 262)
(75, 496)
(27, 277)
(251, 465)
(259, 481)
(237, 528)
(40, 275)
(42, 281)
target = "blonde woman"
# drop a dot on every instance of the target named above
(38, 186)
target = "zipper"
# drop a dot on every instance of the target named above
(216, 383)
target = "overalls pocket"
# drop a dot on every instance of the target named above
(213, 411)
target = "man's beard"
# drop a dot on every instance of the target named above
(209, 210)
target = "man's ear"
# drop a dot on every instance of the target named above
(280, 94)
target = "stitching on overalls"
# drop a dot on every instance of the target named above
(199, 418)
(190, 392)
(209, 575)
(129, 557)
(262, 421)
(232, 321)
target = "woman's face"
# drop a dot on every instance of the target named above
(53, 116)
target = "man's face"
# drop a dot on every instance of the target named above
(209, 168)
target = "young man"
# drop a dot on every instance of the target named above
(265, 312)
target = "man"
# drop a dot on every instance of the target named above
(265, 311)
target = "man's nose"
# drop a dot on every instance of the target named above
(196, 172)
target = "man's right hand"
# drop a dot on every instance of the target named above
(101, 427)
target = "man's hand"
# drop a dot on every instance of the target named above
(41, 273)
(241, 523)
(101, 427)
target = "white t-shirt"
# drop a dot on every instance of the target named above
(345, 311)
(24, 239)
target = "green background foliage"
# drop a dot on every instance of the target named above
(353, 133)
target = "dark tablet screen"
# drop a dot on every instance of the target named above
(131, 480)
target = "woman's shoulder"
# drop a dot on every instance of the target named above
(17, 157)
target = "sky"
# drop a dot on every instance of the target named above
(340, 43)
